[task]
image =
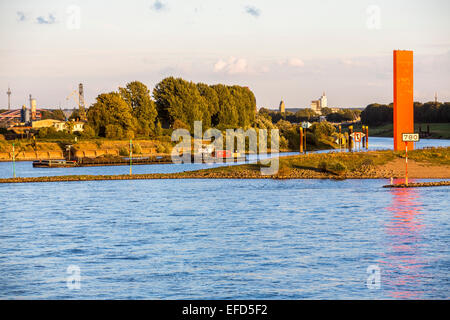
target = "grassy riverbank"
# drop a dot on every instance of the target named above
(429, 163)
(437, 130)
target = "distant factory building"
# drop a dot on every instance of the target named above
(15, 116)
(282, 107)
(317, 105)
(33, 109)
(45, 123)
(77, 126)
(24, 115)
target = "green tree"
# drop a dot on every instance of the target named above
(53, 114)
(211, 104)
(376, 114)
(322, 132)
(137, 96)
(178, 99)
(74, 115)
(88, 132)
(228, 115)
(158, 129)
(111, 109)
(114, 131)
(245, 104)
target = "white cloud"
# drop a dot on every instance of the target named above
(356, 62)
(296, 62)
(220, 65)
(348, 62)
(292, 62)
(232, 66)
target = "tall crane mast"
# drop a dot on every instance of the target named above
(81, 104)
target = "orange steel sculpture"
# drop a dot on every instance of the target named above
(403, 97)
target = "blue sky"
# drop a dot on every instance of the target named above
(291, 50)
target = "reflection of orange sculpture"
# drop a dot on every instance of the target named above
(404, 266)
(403, 97)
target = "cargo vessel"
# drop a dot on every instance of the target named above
(54, 163)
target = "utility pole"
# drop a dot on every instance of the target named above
(367, 137)
(131, 156)
(408, 137)
(406, 163)
(14, 161)
(304, 136)
(301, 140)
(9, 98)
(350, 141)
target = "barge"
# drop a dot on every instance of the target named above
(54, 164)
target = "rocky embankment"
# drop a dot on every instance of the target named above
(418, 184)
(369, 173)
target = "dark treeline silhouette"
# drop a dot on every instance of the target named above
(429, 112)
(299, 116)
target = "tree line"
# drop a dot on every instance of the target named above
(309, 115)
(176, 103)
(429, 112)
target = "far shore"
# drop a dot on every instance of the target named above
(422, 164)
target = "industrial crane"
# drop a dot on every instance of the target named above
(79, 99)
(74, 97)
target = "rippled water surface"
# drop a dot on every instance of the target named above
(222, 239)
(249, 239)
(25, 168)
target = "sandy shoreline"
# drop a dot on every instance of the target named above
(393, 169)
(423, 164)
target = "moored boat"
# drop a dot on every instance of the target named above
(54, 163)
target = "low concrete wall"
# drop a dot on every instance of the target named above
(50, 155)
(113, 152)
(31, 155)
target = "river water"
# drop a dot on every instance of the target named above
(25, 168)
(223, 239)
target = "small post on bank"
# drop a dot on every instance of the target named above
(367, 137)
(406, 163)
(350, 138)
(14, 160)
(304, 144)
(301, 140)
(340, 138)
(363, 139)
(131, 157)
(305, 125)
(408, 137)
